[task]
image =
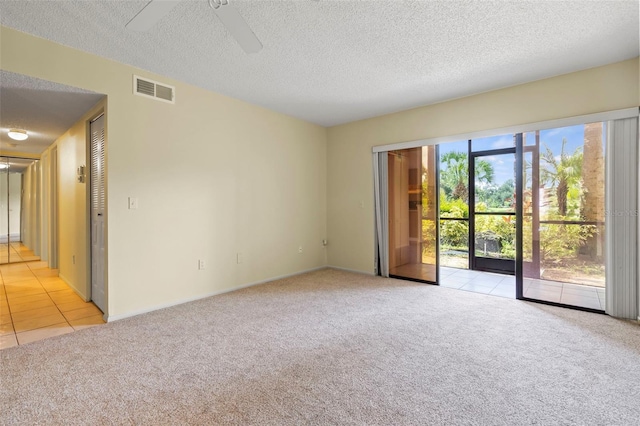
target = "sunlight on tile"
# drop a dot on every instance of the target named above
(82, 313)
(87, 322)
(39, 322)
(8, 341)
(44, 332)
(583, 296)
(35, 304)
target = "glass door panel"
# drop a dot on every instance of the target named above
(564, 216)
(494, 213)
(413, 204)
(454, 205)
(494, 180)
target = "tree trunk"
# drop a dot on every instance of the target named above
(593, 184)
(461, 192)
(561, 193)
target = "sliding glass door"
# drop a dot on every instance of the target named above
(413, 207)
(532, 205)
(564, 216)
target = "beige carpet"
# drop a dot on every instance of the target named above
(332, 347)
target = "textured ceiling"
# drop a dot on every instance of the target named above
(332, 62)
(46, 110)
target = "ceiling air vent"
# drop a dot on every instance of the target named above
(153, 89)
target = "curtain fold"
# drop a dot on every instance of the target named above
(622, 219)
(380, 184)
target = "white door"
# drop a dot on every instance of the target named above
(97, 212)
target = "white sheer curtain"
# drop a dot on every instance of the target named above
(622, 219)
(381, 184)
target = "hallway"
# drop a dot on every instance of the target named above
(36, 304)
(16, 252)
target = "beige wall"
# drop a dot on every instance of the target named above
(350, 215)
(214, 176)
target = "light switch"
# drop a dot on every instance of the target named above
(133, 203)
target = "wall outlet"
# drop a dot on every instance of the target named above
(133, 203)
(201, 264)
(239, 258)
(300, 249)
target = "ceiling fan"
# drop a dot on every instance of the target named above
(228, 15)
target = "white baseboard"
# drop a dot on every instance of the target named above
(355, 271)
(68, 282)
(110, 318)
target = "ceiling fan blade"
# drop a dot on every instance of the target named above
(238, 28)
(152, 13)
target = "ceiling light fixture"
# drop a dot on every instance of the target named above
(18, 135)
(4, 166)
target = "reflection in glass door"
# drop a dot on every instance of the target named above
(4, 210)
(20, 211)
(493, 211)
(413, 206)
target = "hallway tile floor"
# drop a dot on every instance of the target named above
(16, 252)
(35, 304)
(505, 286)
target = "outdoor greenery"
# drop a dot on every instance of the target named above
(562, 199)
(455, 174)
(564, 174)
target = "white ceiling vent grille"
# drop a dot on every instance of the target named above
(153, 89)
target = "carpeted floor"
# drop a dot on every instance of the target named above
(332, 347)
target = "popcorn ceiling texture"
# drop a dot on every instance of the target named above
(45, 109)
(332, 62)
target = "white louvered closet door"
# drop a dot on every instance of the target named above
(97, 212)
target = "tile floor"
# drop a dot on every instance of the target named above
(505, 286)
(35, 304)
(16, 252)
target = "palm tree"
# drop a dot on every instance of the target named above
(455, 176)
(562, 172)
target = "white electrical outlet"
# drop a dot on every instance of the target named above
(133, 203)
(239, 258)
(201, 264)
(300, 249)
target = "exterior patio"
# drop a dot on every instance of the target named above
(505, 286)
